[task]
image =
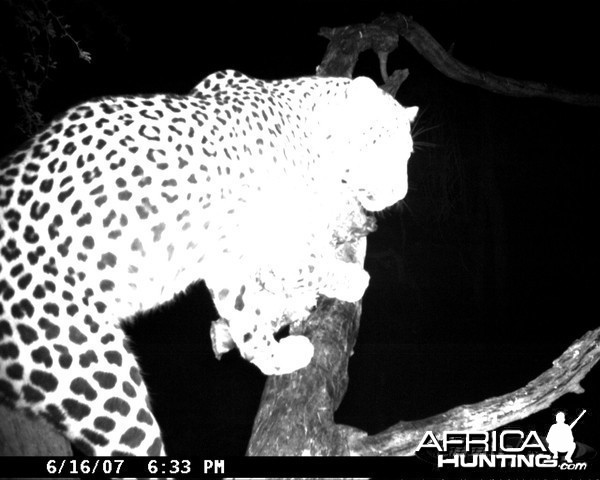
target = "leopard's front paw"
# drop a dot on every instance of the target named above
(286, 356)
(347, 282)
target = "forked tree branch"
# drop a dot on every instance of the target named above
(382, 36)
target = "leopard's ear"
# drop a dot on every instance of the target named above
(362, 104)
(361, 87)
(363, 94)
(411, 113)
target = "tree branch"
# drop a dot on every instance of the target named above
(382, 36)
(562, 378)
(296, 412)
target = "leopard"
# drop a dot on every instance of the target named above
(122, 202)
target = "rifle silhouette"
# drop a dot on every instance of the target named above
(577, 419)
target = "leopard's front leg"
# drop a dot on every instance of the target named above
(250, 316)
(344, 280)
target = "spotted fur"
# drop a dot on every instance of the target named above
(123, 202)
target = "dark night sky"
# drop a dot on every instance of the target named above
(485, 277)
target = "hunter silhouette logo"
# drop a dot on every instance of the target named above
(560, 437)
(506, 449)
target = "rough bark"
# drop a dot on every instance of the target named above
(296, 412)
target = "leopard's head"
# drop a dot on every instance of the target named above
(370, 139)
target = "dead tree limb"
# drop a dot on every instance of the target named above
(382, 36)
(563, 377)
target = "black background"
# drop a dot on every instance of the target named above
(484, 275)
